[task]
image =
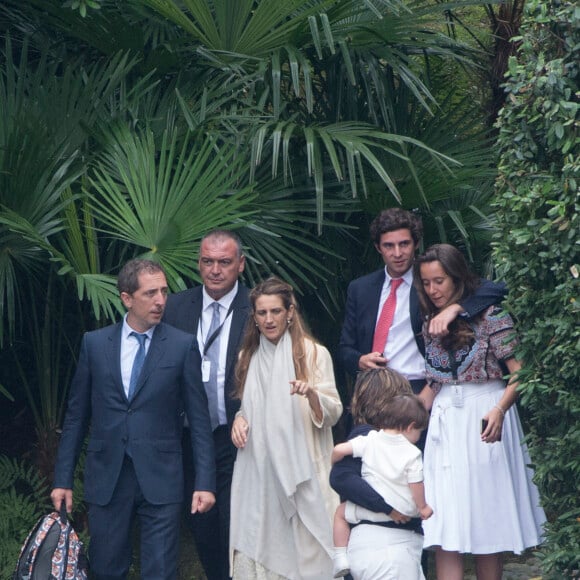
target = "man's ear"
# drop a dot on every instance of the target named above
(126, 299)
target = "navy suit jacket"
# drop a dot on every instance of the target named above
(183, 310)
(362, 306)
(150, 424)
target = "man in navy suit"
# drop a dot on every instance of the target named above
(133, 382)
(221, 261)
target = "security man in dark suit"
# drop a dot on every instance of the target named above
(216, 314)
(133, 381)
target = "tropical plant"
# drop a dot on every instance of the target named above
(337, 102)
(310, 82)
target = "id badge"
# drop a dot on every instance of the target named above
(205, 369)
(457, 395)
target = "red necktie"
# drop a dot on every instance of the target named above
(386, 317)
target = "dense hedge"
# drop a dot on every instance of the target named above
(537, 253)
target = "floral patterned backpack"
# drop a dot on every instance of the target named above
(52, 551)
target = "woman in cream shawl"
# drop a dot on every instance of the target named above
(282, 503)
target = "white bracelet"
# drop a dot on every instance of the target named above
(500, 410)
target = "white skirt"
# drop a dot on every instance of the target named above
(482, 494)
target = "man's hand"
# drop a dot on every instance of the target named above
(439, 325)
(373, 360)
(58, 495)
(398, 517)
(202, 501)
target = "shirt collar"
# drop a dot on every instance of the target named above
(127, 330)
(407, 276)
(225, 301)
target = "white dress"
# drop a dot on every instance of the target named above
(482, 494)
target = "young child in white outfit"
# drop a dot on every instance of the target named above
(392, 465)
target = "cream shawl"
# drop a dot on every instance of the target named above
(279, 514)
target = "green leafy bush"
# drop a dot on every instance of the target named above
(537, 253)
(23, 500)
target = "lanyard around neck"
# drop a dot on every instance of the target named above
(217, 331)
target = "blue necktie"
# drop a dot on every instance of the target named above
(212, 354)
(137, 362)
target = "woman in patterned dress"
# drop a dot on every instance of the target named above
(476, 470)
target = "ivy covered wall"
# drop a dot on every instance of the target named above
(537, 253)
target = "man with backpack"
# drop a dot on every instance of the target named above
(133, 382)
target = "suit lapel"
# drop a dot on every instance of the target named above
(196, 307)
(113, 355)
(375, 294)
(416, 319)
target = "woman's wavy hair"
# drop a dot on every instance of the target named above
(465, 282)
(251, 341)
(373, 391)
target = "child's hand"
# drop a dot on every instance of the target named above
(426, 512)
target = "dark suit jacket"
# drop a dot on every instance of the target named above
(150, 424)
(362, 306)
(183, 310)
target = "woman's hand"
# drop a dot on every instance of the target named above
(306, 390)
(492, 432)
(240, 430)
(302, 388)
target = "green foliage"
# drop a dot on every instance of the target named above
(82, 6)
(23, 500)
(537, 252)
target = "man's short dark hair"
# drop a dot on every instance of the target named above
(225, 234)
(395, 218)
(128, 279)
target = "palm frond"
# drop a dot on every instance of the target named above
(160, 200)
